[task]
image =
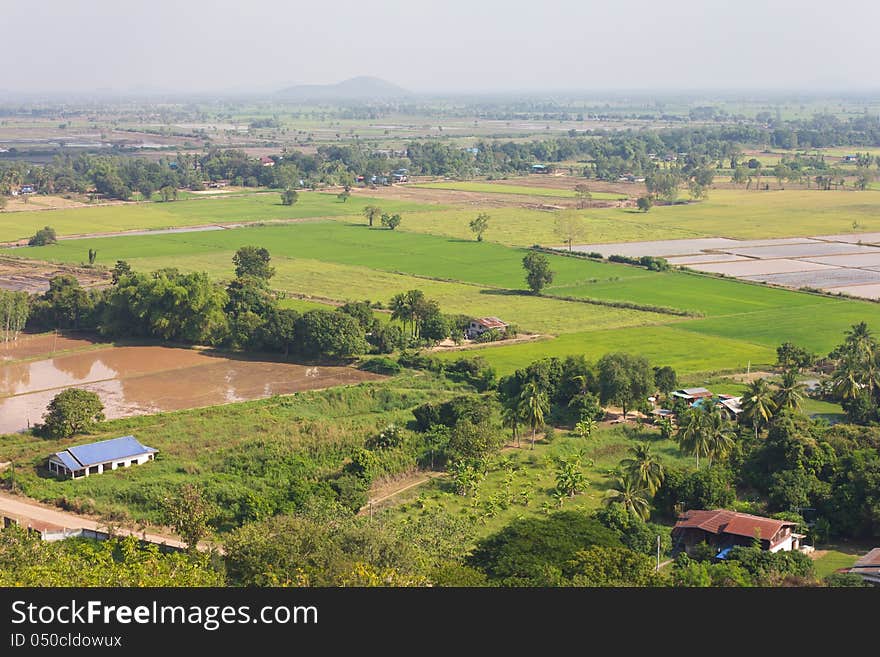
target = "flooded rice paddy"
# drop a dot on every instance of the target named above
(138, 380)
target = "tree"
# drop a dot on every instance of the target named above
(644, 203)
(169, 193)
(790, 356)
(43, 237)
(863, 179)
(14, 311)
(93, 254)
(391, 221)
(790, 392)
(630, 495)
(585, 427)
(189, 513)
(279, 329)
(534, 405)
(3, 201)
(538, 272)
(758, 404)
(644, 467)
(253, 261)
(665, 379)
(371, 212)
(719, 434)
(692, 435)
(624, 379)
(524, 551)
(584, 195)
(289, 196)
(570, 479)
(511, 416)
(331, 334)
(570, 227)
(121, 269)
(343, 195)
(479, 225)
(71, 412)
(740, 175)
(606, 566)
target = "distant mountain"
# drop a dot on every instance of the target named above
(359, 88)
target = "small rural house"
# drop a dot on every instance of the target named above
(690, 395)
(95, 458)
(868, 567)
(267, 161)
(730, 405)
(483, 324)
(541, 168)
(724, 529)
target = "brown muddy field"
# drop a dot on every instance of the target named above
(33, 277)
(139, 380)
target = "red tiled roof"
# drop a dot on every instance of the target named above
(721, 521)
(490, 322)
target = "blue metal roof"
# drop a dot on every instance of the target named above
(68, 461)
(109, 450)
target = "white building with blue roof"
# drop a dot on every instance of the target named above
(95, 458)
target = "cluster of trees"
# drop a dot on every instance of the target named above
(669, 159)
(26, 560)
(14, 312)
(244, 314)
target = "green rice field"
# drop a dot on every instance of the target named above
(731, 323)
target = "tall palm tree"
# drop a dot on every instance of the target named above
(846, 379)
(790, 392)
(692, 437)
(644, 467)
(758, 405)
(511, 415)
(719, 434)
(400, 309)
(630, 495)
(534, 404)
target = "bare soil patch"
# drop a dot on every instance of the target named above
(31, 277)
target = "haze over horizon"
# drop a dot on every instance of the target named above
(459, 47)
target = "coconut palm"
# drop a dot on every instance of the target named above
(846, 379)
(758, 404)
(790, 392)
(644, 467)
(627, 492)
(719, 434)
(692, 437)
(534, 404)
(511, 415)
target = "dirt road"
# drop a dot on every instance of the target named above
(31, 514)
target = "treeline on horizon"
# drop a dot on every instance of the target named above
(606, 155)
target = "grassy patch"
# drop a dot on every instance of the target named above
(834, 559)
(534, 472)
(206, 210)
(225, 447)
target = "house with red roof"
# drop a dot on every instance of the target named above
(483, 324)
(724, 529)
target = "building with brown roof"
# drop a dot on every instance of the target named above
(868, 567)
(725, 529)
(483, 324)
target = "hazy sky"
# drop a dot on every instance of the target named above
(441, 45)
